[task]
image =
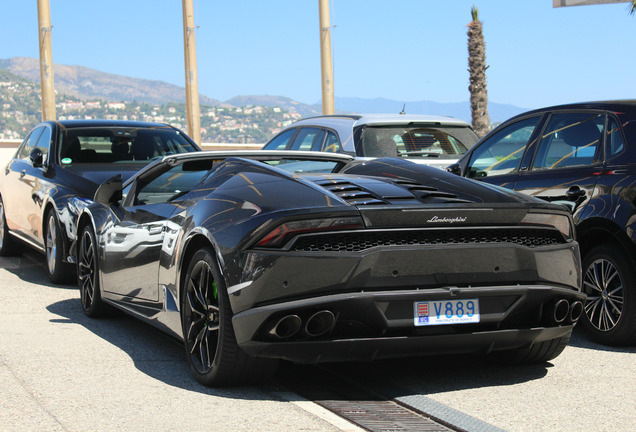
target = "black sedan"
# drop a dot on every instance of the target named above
(313, 257)
(583, 156)
(56, 171)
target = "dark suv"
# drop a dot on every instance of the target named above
(583, 156)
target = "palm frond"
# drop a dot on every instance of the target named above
(474, 12)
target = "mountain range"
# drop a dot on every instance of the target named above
(86, 83)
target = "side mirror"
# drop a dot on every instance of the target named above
(110, 191)
(455, 169)
(37, 157)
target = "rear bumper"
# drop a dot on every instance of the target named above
(370, 325)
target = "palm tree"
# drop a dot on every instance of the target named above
(477, 69)
(632, 7)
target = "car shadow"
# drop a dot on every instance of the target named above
(421, 375)
(153, 352)
(30, 267)
(581, 340)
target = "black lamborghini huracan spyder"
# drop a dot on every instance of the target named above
(250, 257)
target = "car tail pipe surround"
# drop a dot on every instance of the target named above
(320, 323)
(564, 311)
(315, 325)
(286, 327)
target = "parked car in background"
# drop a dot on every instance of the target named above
(583, 156)
(57, 169)
(250, 257)
(432, 140)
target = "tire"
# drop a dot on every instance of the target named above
(609, 280)
(539, 352)
(88, 275)
(8, 245)
(213, 354)
(59, 271)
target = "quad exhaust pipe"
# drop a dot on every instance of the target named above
(576, 309)
(560, 311)
(286, 327)
(564, 311)
(318, 324)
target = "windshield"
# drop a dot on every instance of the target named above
(120, 144)
(418, 141)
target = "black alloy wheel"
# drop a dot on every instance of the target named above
(212, 351)
(8, 245)
(88, 275)
(610, 284)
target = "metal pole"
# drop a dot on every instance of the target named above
(46, 61)
(191, 77)
(326, 68)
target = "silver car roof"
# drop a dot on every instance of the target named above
(380, 119)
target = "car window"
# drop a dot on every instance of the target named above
(299, 166)
(173, 183)
(569, 140)
(332, 143)
(280, 141)
(416, 141)
(317, 145)
(305, 139)
(29, 144)
(615, 144)
(44, 143)
(120, 144)
(502, 152)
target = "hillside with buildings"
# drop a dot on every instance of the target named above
(21, 110)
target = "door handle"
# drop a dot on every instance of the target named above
(575, 192)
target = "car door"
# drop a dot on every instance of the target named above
(13, 176)
(27, 186)
(501, 157)
(132, 246)
(567, 159)
(132, 249)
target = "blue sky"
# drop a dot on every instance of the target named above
(407, 50)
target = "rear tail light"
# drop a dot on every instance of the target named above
(559, 221)
(280, 235)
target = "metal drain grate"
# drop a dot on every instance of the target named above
(382, 416)
(360, 406)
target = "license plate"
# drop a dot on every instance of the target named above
(446, 312)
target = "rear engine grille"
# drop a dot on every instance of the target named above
(359, 196)
(361, 240)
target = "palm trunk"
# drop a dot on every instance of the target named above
(477, 68)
